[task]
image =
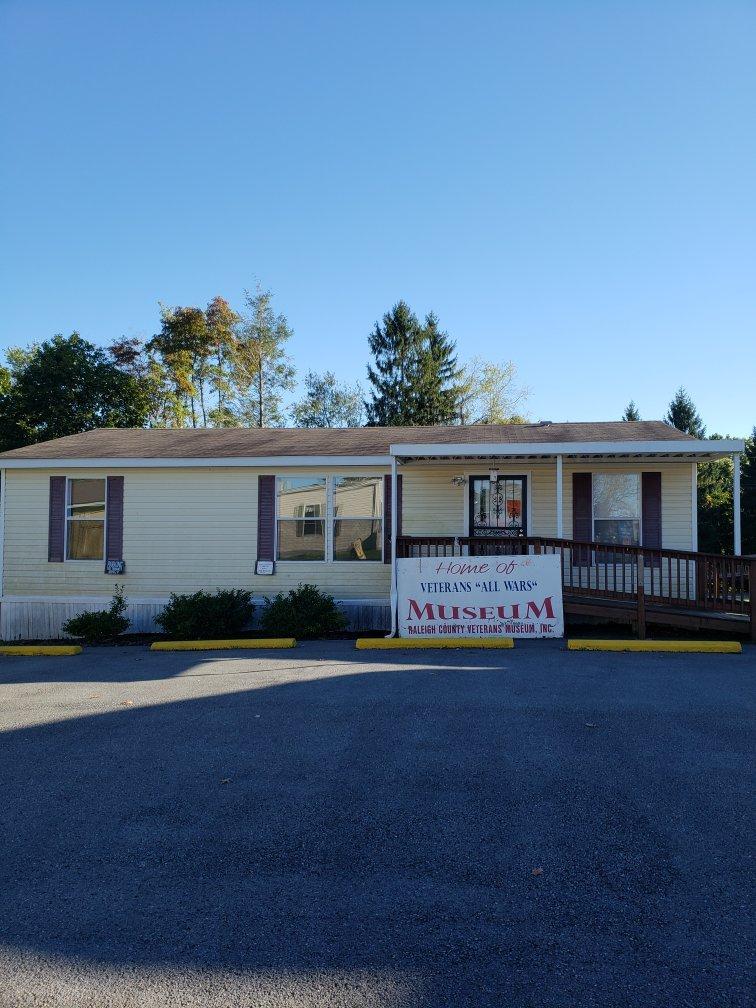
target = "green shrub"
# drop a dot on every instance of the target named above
(205, 615)
(99, 627)
(304, 613)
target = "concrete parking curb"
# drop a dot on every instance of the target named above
(687, 647)
(223, 645)
(34, 650)
(398, 643)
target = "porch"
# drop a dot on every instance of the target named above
(626, 584)
(621, 516)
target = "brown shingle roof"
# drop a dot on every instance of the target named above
(241, 442)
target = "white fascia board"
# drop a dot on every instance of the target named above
(259, 462)
(687, 448)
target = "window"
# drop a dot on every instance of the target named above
(616, 508)
(357, 517)
(85, 519)
(300, 527)
(329, 518)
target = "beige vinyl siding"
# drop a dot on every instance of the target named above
(184, 529)
(677, 507)
(192, 528)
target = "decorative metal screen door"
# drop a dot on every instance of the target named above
(498, 508)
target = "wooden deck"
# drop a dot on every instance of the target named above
(627, 584)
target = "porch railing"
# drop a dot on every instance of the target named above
(662, 577)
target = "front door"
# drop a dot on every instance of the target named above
(498, 507)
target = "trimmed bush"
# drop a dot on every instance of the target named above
(100, 627)
(206, 615)
(305, 613)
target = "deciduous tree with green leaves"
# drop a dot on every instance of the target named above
(260, 369)
(490, 393)
(64, 386)
(329, 404)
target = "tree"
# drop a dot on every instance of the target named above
(260, 370)
(489, 393)
(328, 404)
(715, 512)
(395, 345)
(64, 386)
(748, 494)
(438, 378)
(414, 371)
(682, 414)
(631, 411)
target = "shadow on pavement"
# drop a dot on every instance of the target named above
(390, 822)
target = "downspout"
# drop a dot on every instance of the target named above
(394, 526)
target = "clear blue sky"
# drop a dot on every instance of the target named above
(568, 184)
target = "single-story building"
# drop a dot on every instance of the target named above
(163, 511)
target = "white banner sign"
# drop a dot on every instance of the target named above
(507, 596)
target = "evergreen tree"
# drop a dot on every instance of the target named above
(682, 414)
(328, 404)
(438, 380)
(395, 344)
(414, 374)
(748, 495)
(631, 411)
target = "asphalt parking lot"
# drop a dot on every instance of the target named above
(338, 828)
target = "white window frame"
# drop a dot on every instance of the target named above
(619, 472)
(66, 520)
(333, 517)
(329, 519)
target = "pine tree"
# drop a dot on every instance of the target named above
(748, 495)
(631, 411)
(396, 345)
(437, 391)
(683, 415)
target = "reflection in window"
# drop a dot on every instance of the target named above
(357, 518)
(301, 505)
(85, 519)
(616, 508)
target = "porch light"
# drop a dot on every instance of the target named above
(459, 480)
(493, 475)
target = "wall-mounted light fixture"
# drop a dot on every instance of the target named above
(459, 480)
(493, 475)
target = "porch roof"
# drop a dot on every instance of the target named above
(674, 449)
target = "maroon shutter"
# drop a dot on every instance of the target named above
(387, 519)
(114, 519)
(651, 513)
(266, 517)
(56, 533)
(582, 514)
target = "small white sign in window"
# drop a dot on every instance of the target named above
(264, 567)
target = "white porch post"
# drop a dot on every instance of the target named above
(736, 501)
(394, 526)
(694, 507)
(559, 499)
